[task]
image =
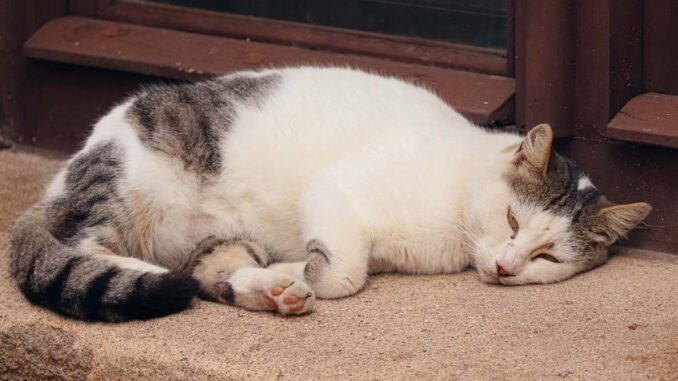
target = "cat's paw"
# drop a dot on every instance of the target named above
(288, 296)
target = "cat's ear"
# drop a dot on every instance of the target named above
(617, 220)
(535, 151)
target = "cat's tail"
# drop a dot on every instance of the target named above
(87, 286)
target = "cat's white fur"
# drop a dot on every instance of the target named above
(402, 182)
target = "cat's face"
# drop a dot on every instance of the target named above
(546, 221)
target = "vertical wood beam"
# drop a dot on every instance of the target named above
(545, 64)
(609, 61)
(18, 20)
(511, 39)
(660, 46)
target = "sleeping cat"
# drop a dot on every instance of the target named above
(268, 189)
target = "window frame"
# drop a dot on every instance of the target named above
(167, 53)
(390, 47)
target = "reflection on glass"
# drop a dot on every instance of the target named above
(471, 22)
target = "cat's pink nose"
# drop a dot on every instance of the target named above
(502, 271)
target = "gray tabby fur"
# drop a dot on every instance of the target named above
(182, 121)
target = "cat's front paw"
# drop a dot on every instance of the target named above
(289, 298)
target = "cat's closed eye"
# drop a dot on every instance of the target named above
(513, 223)
(548, 257)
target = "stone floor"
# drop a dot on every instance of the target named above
(619, 322)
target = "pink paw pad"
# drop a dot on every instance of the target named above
(292, 303)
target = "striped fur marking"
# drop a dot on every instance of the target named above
(53, 270)
(318, 259)
(91, 194)
(187, 121)
(215, 259)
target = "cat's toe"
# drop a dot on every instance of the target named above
(295, 299)
(277, 290)
(270, 303)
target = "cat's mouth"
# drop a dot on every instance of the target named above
(488, 277)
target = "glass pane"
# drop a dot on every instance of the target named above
(471, 22)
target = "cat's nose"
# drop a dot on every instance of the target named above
(502, 271)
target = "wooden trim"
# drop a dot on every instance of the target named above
(18, 20)
(168, 53)
(89, 8)
(403, 49)
(609, 61)
(649, 118)
(519, 64)
(577, 63)
(83, 8)
(626, 52)
(545, 64)
(511, 39)
(593, 74)
(660, 46)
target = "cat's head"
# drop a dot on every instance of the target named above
(546, 221)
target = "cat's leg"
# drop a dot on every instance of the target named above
(90, 245)
(336, 269)
(232, 271)
(336, 250)
(337, 247)
(329, 274)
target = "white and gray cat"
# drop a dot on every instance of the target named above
(268, 189)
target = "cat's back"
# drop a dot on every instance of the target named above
(341, 102)
(315, 116)
(330, 112)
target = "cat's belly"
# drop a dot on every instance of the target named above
(181, 228)
(177, 233)
(417, 255)
(268, 216)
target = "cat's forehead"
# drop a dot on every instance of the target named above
(565, 190)
(539, 220)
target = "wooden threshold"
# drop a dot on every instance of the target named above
(649, 118)
(484, 99)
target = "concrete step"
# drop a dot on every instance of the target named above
(616, 322)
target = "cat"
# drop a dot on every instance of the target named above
(267, 189)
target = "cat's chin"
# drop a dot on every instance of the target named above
(485, 277)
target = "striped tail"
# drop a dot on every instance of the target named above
(77, 284)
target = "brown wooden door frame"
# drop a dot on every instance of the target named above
(660, 46)
(18, 20)
(544, 64)
(577, 62)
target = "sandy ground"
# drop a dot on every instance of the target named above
(619, 322)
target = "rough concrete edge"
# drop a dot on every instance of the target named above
(39, 350)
